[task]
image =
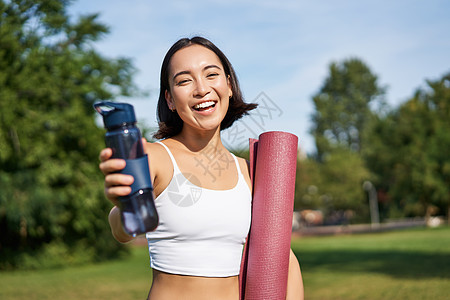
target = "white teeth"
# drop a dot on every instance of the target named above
(204, 104)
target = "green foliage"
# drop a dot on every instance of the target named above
(343, 106)
(403, 151)
(409, 152)
(341, 124)
(334, 185)
(52, 208)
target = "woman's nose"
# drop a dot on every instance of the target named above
(202, 88)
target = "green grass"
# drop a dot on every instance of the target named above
(126, 279)
(413, 264)
(410, 264)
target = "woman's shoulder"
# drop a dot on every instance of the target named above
(154, 148)
(159, 160)
(242, 161)
(244, 165)
(158, 156)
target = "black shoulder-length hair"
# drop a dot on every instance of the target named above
(170, 123)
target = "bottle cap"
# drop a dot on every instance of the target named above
(115, 114)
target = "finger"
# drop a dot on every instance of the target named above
(112, 193)
(105, 154)
(117, 179)
(112, 165)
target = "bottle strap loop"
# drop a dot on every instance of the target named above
(139, 169)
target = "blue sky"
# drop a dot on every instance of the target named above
(282, 48)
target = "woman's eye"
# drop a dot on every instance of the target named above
(212, 75)
(182, 81)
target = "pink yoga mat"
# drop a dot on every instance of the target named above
(265, 264)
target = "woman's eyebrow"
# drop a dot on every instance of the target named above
(204, 69)
(211, 67)
(180, 73)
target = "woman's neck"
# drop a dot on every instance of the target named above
(196, 141)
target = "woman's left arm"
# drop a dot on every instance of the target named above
(295, 282)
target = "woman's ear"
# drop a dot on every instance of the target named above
(169, 100)
(230, 87)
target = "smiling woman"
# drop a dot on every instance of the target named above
(199, 91)
(171, 124)
(203, 192)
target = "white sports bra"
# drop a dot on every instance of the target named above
(201, 232)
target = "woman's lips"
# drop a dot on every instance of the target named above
(204, 106)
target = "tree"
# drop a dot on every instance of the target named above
(333, 186)
(410, 151)
(341, 122)
(343, 106)
(52, 208)
(380, 157)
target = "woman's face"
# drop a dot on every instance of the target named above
(199, 88)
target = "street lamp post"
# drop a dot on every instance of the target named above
(373, 204)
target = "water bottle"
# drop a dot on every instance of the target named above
(138, 212)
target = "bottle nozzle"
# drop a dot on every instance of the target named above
(114, 113)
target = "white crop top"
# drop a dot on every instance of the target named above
(201, 231)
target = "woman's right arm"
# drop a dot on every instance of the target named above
(116, 185)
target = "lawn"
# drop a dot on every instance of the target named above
(408, 264)
(126, 279)
(413, 264)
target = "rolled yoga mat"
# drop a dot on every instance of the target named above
(265, 263)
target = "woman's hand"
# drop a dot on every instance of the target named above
(116, 184)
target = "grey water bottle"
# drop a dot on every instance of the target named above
(138, 210)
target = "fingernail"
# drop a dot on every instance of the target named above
(130, 179)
